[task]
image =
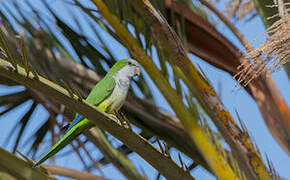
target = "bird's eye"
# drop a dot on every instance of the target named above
(129, 63)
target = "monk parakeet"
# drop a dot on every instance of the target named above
(108, 95)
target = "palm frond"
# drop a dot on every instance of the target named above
(20, 169)
(74, 54)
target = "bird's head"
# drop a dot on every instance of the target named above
(132, 68)
(126, 67)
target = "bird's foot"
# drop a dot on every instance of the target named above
(114, 117)
(123, 120)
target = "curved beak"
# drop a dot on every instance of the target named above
(137, 71)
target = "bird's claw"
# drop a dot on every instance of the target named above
(120, 117)
(112, 116)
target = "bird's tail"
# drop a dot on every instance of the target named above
(67, 138)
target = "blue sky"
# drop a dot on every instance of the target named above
(238, 100)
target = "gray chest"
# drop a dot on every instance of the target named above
(119, 94)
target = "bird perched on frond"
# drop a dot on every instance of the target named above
(108, 95)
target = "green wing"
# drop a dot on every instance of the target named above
(101, 91)
(97, 95)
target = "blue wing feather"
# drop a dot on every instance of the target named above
(77, 119)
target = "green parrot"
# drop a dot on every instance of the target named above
(108, 95)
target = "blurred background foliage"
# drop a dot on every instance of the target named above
(74, 46)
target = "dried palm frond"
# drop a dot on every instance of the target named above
(272, 54)
(238, 9)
